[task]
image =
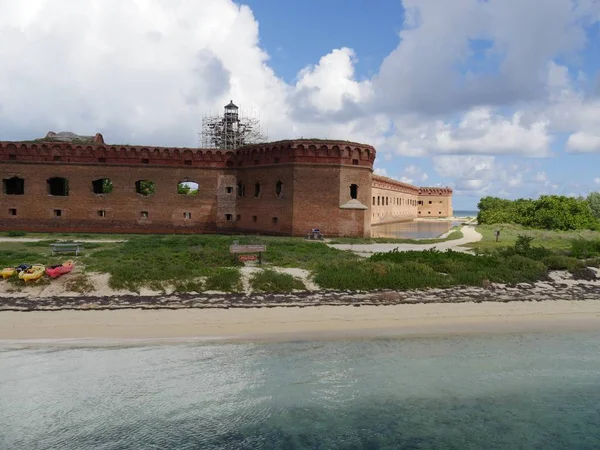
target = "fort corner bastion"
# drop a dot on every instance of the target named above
(281, 188)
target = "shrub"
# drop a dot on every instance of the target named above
(271, 281)
(560, 262)
(225, 280)
(15, 233)
(585, 248)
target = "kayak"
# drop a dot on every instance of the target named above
(8, 272)
(59, 269)
(35, 272)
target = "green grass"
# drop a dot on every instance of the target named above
(455, 234)
(271, 281)
(428, 269)
(554, 240)
(183, 260)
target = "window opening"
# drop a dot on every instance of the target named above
(14, 186)
(58, 187)
(254, 218)
(355, 162)
(12, 211)
(102, 186)
(188, 188)
(228, 217)
(101, 213)
(187, 215)
(144, 214)
(257, 189)
(57, 212)
(354, 191)
(241, 188)
(229, 189)
(278, 188)
(275, 220)
(145, 187)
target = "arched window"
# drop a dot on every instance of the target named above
(378, 200)
(278, 188)
(186, 187)
(354, 191)
(257, 190)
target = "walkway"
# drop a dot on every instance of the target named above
(469, 236)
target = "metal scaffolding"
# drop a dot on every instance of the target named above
(230, 131)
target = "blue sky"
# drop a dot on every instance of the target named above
(494, 97)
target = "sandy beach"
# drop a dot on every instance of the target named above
(288, 323)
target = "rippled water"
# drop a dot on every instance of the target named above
(481, 392)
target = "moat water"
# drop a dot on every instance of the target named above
(417, 229)
(412, 230)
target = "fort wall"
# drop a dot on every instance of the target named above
(435, 202)
(393, 201)
(286, 187)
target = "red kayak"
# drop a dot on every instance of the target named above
(60, 269)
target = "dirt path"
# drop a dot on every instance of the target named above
(469, 236)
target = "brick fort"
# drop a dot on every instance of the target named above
(286, 187)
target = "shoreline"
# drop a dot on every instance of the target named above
(142, 327)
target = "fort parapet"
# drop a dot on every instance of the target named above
(286, 187)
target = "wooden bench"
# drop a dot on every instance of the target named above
(66, 248)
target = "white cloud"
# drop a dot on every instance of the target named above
(479, 132)
(381, 172)
(584, 142)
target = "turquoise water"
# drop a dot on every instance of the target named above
(525, 391)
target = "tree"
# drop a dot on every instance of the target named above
(593, 199)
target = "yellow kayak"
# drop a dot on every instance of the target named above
(34, 273)
(7, 272)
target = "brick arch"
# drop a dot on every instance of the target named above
(218, 156)
(335, 151)
(323, 151)
(208, 156)
(312, 150)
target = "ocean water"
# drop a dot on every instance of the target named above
(514, 391)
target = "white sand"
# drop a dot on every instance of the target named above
(298, 323)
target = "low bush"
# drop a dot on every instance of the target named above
(15, 233)
(561, 262)
(585, 248)
(224, 280)
(271, 281)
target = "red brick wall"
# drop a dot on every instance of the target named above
(315, 176)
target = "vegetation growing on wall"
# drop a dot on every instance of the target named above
(550, 212)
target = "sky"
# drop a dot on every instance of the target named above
(489, 97)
